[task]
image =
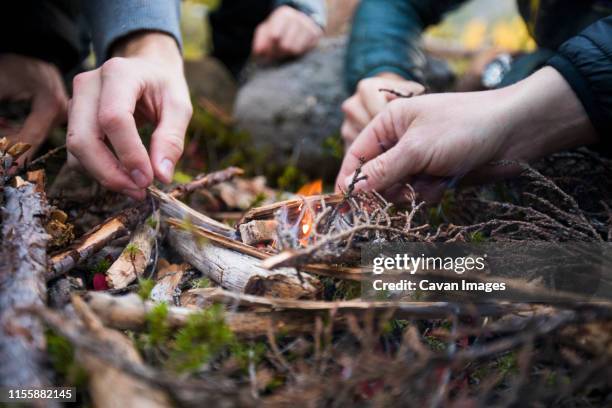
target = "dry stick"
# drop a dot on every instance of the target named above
(173, 208)
(130, 313)
(22, 284)
(355, 274)
(297, 257)
(110, 387)
(267, 211)
(239, 271)
(407, 309)
(43, 159)
(136, 256)
(92, 242)
(206, 181)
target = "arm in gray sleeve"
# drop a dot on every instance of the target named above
(111, 20)
(315, 9)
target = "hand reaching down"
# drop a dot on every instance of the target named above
(144, 80)
(431, 139)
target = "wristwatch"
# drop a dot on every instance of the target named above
(495, 71)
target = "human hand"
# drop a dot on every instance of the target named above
(368, 101)
(25, 78)
(430, 139)
(144, 80)
(286, 32)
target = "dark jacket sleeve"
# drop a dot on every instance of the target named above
(46, 30)
(585, 61)
(385, 37)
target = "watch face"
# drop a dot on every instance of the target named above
(493, 75)
(496, 70)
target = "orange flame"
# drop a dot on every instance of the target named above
(312, 188)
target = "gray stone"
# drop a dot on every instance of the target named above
(290, 110)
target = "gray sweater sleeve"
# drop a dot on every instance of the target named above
(313, 8)
(110, 20)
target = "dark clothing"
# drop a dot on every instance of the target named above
(233, 26)
(576, 34)
(47, 30)
(54, 30)
(234, 22)
(585, 61)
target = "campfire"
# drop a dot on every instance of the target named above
(196, 295)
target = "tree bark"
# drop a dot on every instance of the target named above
(22, 284)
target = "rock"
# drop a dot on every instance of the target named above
(209, 79)
(290, 110)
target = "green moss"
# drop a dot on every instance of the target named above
(152, 222)
(145, 288)
(131, 249)
(435, 344)
(102, 266)
(291, 179)
(200, 283)
(332, 146)
(205, 334)
(61, 356)
(247, 354)
(508, 364)
(477, 237)
(157, 324)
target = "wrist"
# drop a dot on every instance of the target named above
(391, 75)
(150, 45)
(542, 115)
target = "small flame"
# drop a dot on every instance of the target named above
(306, 226)
(312, 188)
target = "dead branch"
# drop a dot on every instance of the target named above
(238, 271)
(126, 390)
(336, 271)
(173, 208)
(136, 256)
(424, 310)
(130, 313)
(22, 284)
(42, 160)
(92, 242)
(267, 211)
(302, 256)
(206, 181)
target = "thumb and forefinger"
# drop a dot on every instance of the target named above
(386, 157)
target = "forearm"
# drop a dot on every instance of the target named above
(112, 20)
(542, 115)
